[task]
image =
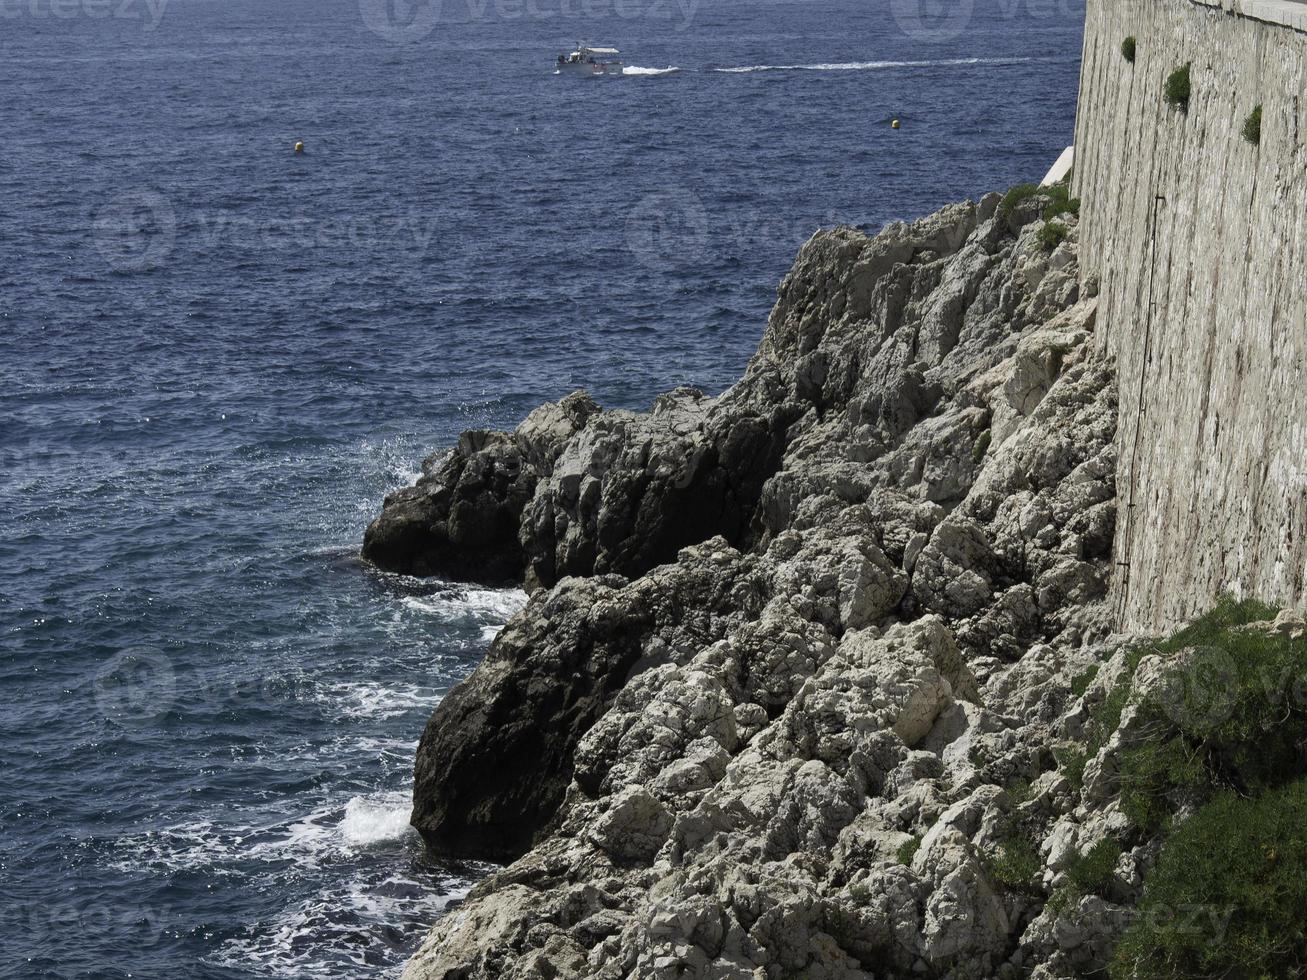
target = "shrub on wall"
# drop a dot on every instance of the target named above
(1252, 127)
(1177, 88)
(1128, 49)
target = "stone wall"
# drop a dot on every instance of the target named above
(1199, 240)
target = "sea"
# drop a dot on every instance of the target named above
(217, 355)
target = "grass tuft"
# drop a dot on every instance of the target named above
(1053, 234)
(1080, 683)
(908, 849)
(1128, 49)
(1015, 196)
(1177, 90)
(1060, 201)
(1071, 760)
(1252, 127)
(1016, 865)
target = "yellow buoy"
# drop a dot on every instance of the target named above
(299, 147)
(894, 124)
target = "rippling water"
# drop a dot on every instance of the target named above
(216, 357)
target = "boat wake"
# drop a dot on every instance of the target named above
(873, 65)
(637, 70)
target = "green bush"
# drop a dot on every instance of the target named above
(1232, 717)
(1088, 874)
(1016, 865)
(1015, 196)
(1177, 88)
(1106, 718)
(1060, 201)
(1252, 127)
(1053, 234)
(1091, 871)
(908, 849)
(1128, 49)
(981, 446)
(1071, 760)
(1159, 777)
(1226, 897)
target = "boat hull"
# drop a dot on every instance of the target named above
(600, 69)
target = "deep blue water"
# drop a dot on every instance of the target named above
(216, 357)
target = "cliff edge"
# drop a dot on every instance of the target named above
(785, 698)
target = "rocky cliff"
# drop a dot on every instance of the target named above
(786, 697)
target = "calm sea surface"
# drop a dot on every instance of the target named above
(217, 356)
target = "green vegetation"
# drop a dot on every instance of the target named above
(1090, 872)
(1153, 775)
(1128, 49)
(1080, 683)
(1016, 866)
(1053, 234)
(908, 849)
(1057, 201)
(1071, 760)
(1177, 88)
(981, 446)
(1021, 791)
(1106, 718)
(1015, 196)
(1227, 894)
(1060, 201)
(1221, 735)
(1252, 127)
(1230, 715)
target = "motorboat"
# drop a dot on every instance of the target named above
(589, 62)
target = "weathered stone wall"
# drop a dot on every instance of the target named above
(1199, 239)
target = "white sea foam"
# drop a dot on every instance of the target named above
(331, 829)
(487, 605)
(369, 699)
(638, 70)
(873, 65)
(371, 820)
(338, 931)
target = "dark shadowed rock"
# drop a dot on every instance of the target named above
(496, 758)
(461, 520)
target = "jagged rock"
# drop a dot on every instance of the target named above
(461, 519)
(782, 635)
(498, 754)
